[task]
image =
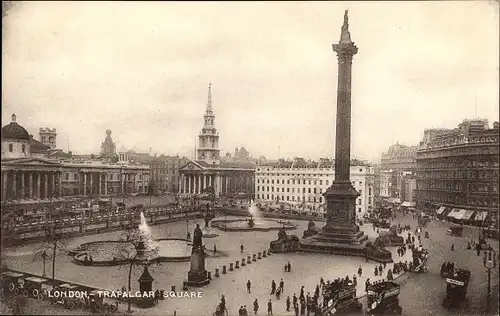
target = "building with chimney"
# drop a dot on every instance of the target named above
(457, 172)
(208, 174)
(29, 177)
(301, 184)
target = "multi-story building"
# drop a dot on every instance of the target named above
(28, 178)
(398, 162)
(208, 173)
(458, 169)
(300, 182)
(165, 173)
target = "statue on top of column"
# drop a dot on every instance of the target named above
(345, 36)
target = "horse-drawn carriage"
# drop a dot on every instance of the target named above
(383, 298)
(420, 257)
(455, 230)
(97, 304)
(12, 282)
(37, 288)
(423, 220)
(340, 298)
(456, 288)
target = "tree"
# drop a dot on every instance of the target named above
(127, 252)
(55, 242)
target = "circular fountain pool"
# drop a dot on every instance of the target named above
(258, 225)
(116, 252)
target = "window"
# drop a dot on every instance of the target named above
(10, 148)
(326, 182)
(360, 170)
(320, 182)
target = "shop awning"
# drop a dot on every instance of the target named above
(454, 213)
(408, 204)
(467, 215)
(440, 210)
(460, 214)
(480, 216)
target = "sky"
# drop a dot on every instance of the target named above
(142, 69)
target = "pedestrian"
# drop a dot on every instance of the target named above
(245, 311)
(296, 309)
(278, 293)
(273, 287)
(249, 286)
(255, 307)
(215, 249)
(452, 247)
(241, 248)
(294, 299)
(288, 303)
(360, 270)
(354, 280)
(269, 308)
(282, 285)
(376, 271)
(289, 267)
(301, 293)
(240, 311)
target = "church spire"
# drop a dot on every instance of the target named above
(345, 36)
(209, 101)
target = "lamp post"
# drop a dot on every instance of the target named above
(489, 263)
(44, 257)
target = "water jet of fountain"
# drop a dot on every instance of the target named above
(254, 212)
(149, 242)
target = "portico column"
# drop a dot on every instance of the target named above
(180, 184)
(38, 185)
(227, 184)
(189, 184)
(46, 185)
(14, 184)
(4, 185)
(91, 175)
(59, 189)
(53, 189)
(105, 176)
(23, 192)
(84, 184)
(204, 181)
(199, 183)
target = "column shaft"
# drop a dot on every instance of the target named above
(38, 185)
(46, 185)
(84, 184)
(14, 184)
(23, 192)
(59, 189)
(30, 185)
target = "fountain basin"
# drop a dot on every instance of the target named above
(239, 225)
(116, 252)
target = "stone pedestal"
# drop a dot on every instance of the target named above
(340, 235)
(197, 275)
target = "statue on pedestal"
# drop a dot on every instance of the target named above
(198, 275)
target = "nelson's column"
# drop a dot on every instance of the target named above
(341, 234)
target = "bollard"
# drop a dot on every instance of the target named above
(210, 275)
(259, 255)
(216, 272)
(264, 254)
(224, 271)
(243, 262)
(254, 257)
(231, 268)
(249, 259)
(172, 288)
(237, 266)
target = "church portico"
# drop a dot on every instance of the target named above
(208, 174)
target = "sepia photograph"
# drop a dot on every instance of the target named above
(236, 158)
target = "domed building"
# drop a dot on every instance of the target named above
(15, 141)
